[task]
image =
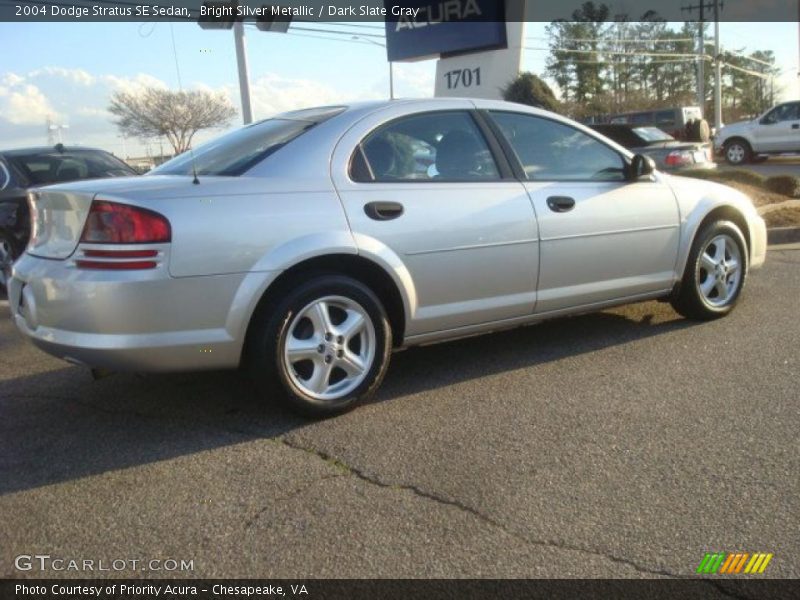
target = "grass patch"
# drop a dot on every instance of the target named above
(788, 185)
(735, 176)
(783, 217)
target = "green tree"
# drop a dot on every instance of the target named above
(530, 89)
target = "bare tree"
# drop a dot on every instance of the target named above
(178, 116)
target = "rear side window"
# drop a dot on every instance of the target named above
(441, 146)
(552, 151)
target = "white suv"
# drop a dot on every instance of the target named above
(777, 131)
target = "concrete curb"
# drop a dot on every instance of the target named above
(783, 235)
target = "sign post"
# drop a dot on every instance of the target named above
(479, 43)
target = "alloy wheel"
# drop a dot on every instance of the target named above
(720, 271)
(329, 347)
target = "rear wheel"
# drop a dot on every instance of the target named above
(737, 152)
(324, 348)
(715, 273)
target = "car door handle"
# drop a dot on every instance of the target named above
(561, 203)
(795, 125)
(383, 211)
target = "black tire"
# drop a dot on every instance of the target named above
(689, 300)
(737, 152)
(9, 252)
(271, 328)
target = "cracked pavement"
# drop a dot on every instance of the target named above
(620, 444)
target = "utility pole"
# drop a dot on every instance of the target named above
(716, 5)
(244, 78)
(224, 15)
(717, 71)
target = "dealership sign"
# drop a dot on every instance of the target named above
(429, 28)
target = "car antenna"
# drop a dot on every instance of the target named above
(195, 180)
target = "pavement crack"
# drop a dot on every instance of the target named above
(416, 490)
(298, 490)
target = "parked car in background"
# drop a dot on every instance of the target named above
(684, 123)
(25, 168)
(777, 131)
(668, 153)
(309, 245)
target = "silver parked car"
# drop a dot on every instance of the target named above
(309, 245)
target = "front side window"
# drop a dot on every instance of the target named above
(552, 151)
(785, 112)
(442, 146)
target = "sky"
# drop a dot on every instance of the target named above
(67, 71)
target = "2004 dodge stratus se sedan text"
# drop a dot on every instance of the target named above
(310, 245)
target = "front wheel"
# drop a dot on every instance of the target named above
(737, 152)
(327, 344)
(715, 273)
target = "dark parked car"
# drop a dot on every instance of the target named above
(668, 153)
(25, 168)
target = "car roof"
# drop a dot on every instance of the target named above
(48, 149)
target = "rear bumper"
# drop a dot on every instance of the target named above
(127, 321)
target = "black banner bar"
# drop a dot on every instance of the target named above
(403, 589)
(422, 14)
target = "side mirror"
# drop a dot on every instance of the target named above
(641, 166)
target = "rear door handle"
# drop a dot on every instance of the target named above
(561, 203)
(383, 211)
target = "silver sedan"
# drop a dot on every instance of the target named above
(310, 245)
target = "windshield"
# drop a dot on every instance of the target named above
(653, 134)
(236, 152)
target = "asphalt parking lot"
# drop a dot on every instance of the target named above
(622, 444)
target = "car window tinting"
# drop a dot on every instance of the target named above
(552, 151)
(440, 146)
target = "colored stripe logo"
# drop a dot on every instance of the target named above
(734, 563)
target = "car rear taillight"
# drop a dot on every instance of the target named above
(679, 158)
(114, 223)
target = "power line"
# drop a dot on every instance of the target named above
(626, 40)
(620, 53)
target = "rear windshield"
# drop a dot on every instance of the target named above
(238, 151)
(55, 167)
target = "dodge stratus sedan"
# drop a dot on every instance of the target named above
(308, 246)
